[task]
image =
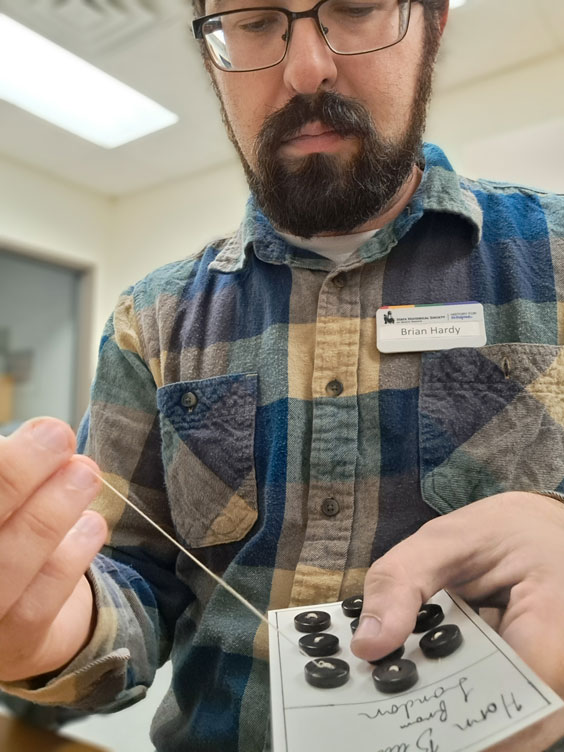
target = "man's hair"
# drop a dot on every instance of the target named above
(433, 8)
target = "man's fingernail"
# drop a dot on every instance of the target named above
(88, 525)
(51, 436)
(368, 628)
(80, 477)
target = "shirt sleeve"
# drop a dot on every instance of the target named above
(137, 595)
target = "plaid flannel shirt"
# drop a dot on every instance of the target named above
(241, 402)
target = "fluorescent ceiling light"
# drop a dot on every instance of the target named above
(457, 3)
(52, 83)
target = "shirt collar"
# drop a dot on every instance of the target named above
(440, 190)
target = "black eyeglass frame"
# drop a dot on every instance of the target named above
(198, 23)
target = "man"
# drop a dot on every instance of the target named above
(242, 403)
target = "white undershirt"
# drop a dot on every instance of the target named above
(337, 248)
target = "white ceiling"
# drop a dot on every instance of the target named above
(148, 45)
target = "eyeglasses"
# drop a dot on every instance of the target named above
(256, 38)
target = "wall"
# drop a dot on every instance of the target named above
(172, 221)
(508, 127)
(117, 240)
(50, 219)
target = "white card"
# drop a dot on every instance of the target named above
(416, 328)
(467, 701)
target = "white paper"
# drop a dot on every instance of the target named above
(467, 701)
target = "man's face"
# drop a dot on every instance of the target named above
(328, 140)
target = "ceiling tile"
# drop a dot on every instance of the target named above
(486, 36)
(552, 13)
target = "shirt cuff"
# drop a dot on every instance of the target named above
(95, 679)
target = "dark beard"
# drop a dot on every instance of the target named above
(321, 193)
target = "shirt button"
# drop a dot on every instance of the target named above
(334, 388)
(189, 400)
(339, 280)
(330, 507)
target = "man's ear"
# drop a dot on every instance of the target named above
(444, 17)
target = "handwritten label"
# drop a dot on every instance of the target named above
(467, 701)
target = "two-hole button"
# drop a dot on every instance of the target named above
(330, 507)
(189, 400)
(334, 388)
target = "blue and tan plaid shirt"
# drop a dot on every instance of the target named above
(241, 402)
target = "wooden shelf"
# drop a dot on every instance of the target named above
(17, 736)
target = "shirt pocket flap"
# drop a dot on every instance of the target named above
(490, 420)
(208, 429)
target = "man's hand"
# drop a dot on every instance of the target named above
(506, 551)
(47, 541)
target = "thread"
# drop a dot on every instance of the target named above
(178, 545)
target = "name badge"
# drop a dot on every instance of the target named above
(416, 328)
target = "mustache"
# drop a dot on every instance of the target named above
(344, 115)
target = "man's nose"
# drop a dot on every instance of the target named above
(309, 65)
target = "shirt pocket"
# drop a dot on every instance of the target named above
(207, 429)
(490, 420)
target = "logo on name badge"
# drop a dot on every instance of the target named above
(418, 328)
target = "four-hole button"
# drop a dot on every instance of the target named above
(330, 506)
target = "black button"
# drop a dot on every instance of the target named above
(318, 645)
(354, 624)
(396, 676)
(327, 672)
(430, 615)
(189, 400)
(339, 280)
(391, 657)
(441, 641)
(352, 606)
(312, 621)
(334, 388)
(330, 507)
